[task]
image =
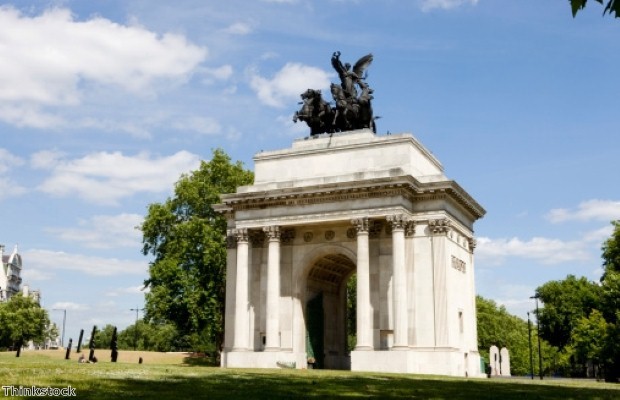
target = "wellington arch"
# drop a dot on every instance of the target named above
(351, 205)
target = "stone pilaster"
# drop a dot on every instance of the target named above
(439, 230)
(273, 289)
(364, 313)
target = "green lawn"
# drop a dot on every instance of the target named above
(179, 380)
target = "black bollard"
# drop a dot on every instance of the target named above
(114, 346)
(79, 346)
(68, 349)
(19, 348)
(91, 345)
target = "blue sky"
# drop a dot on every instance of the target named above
(103, 104)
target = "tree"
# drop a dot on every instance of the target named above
(187, 239)
(497, 327)
(104, 337)
(611, 250)
(22, 319)
(610, 299)
(565, 303)
(613, 6)
(588, 338)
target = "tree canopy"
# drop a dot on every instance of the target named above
(186, 237)
(613, 6)
(22, 319)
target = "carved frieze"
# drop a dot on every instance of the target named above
(329, 235)
(308, 236)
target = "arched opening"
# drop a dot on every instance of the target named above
(327, 309)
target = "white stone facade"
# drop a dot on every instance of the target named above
(10, 279)
(379, 207)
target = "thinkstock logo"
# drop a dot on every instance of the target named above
(36, 391)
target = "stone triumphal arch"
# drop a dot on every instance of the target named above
(354, 205)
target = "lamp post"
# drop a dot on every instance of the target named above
(529, 335)
(64, 319)
(540, 371)
(135, 329)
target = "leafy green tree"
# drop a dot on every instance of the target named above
(611, 250)
(610, 299)
(22, 319)
(186, 237)
(588, 338)
(103, 337)
(565, 303)
(497, 327)
(613, 6)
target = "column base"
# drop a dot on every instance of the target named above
(399, 348)
(272, 349)
(363, 348)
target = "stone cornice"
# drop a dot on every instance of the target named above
(406, 186)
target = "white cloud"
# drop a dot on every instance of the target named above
(239, 28)
(427, 5)
(52, 59)
(69, 306)
(103, 231)
(140, 289)
(288, 83)
(544, 250)
(105, 178)
(220, 74)
(598, 210)
(202, 125)
(7, 162)
(54, 261)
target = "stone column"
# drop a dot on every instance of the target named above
(273, 289)
(241, 337)
(364, 314)
(399, 279)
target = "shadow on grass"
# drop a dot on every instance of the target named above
(211, 383)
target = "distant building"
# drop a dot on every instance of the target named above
(10, 279)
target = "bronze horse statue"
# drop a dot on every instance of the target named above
(315, 112)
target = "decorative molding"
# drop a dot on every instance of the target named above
(308, 236)
(329, 235)
(440, 226)
(360, 224)
(472, 243)
(272, 232)
(410, 228)
(241, 234)
(398, 221)
(351, 233)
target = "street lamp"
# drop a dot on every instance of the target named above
(135, 329)
(529, 335)
(540, 371)
(64, 319)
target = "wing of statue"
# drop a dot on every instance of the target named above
(361, 65)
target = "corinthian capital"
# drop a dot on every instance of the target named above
(440, 226)
(361, 224)
(272, 232)
(240, 234)
(398, 221)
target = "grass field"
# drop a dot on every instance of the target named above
(170, 376)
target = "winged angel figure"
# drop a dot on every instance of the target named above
(350, 78)
(351, 111)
